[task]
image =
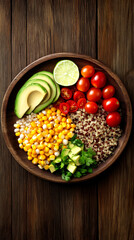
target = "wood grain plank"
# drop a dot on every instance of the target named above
(116, 187)
(57, 211)
(19, 175)
(5, 158)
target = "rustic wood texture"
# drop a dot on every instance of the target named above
(116, 187)
(102, 208)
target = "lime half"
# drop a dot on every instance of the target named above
(66, 73)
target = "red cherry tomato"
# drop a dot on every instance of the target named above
(81, 102)
(91, 107)
(98, 80)
(78, 95)
(94, 94)
(83, 84)
(66, 93)
(87, 71)
(57, 103)
(64, 108)
(73, 88)
(111, 104)
(108, 91)
(113, 119)
(73, 107)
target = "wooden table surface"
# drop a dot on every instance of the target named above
(102, 208)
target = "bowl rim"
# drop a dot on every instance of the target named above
(45, 59)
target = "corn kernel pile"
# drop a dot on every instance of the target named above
(40, 135)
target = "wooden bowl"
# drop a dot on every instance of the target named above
(8, 118)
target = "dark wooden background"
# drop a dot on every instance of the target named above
(102, 208)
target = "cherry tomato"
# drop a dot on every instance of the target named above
(94, 94)
(87, 71)
(113, 119)
(108, 91)
(91, 107)
(78, 95)
(57, 103)
(73, 107)
(64, 108)
(66, 93)
(98, 80)
(81, 102)
(83, 84)
(111, 104)
(73, 88)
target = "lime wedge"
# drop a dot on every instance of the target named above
(66, 73)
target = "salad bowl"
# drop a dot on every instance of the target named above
(47, 63)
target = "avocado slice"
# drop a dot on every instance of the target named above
(47, 99)
(52, 86)
(57, 85)
(57, 160)
(75, 150)
(28, 97)
(52, 168)
(76, 160)
(65, 152)
(71, 167)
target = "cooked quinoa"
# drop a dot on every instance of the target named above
(93, 130)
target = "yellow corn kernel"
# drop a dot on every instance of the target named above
(49, 145)
(58, 111)
(68, 126)
(20, 140)
(51, 140)
(41, 152)
(53, 109)
(39, 130)
(51, 132)
(49, 111)
(64, 124)
(69, 120)
(26, 128)
(25, 149)
(65, 131)
(21, 145)
(49, 136)
(53, 113)
(28, 146)
(42, 157)
(52, 157)
(17, 125)
(33, 131)
(46, 167)
(73, 125)
(46, 149)
(60, 128)
(17, 134)
(40, 147)
(70, 134)
(33, 124)
(31, 141)
(30, 158)
(59, 140)
(56, 148)
(64, 119)
(44, 118)
(33, 147)
(35, 161)
(49, 126)
(67, 137)
(55, 137)
(42, 163)
(72, 129)
(47, 154)
(46, 122)
(56, 121)
(30, 151)
(47, 140)
(56, 125)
